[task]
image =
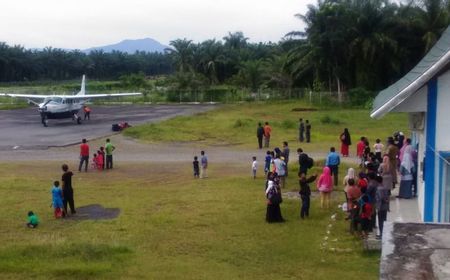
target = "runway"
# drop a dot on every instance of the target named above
(21, 129)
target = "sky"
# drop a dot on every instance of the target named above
(83, 24)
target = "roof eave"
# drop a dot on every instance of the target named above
(412, 87)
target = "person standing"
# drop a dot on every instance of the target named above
(382, 205)
(392, 152)
(84, 155)
(325, 186)
(67, 190)
(109, 148)
(378, 147)
(273, 196)
(302, 161)
(280, 169)
(308, 131)
(57, 200)
(196, 167)
(101, 152)
(204, 165)
(333, 161)
(301, 130)
(254, 167)
(345, 142)
(260, 135)
(406, 172)
(267, 133)
(285, 154)
(360, 146)
(305, 193)
(87, 112)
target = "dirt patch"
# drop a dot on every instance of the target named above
(304, 110)
(95, 212)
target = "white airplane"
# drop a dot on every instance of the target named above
(64, 106)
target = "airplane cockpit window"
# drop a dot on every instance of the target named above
(53, 100)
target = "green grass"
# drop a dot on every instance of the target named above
(171, 226)
(236, 125)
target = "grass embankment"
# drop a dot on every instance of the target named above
(171, 226)
(236, 125)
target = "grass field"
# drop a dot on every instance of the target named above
(236, 125)
(170, 227)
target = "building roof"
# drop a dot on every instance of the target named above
(436, 59)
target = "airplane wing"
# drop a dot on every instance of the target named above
(103, 95)
(35, 96)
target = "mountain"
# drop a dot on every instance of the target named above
(131, 46)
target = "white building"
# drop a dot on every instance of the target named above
(425, 94)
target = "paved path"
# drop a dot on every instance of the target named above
(22, 128)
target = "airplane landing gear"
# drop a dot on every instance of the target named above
(77, 118)
(44, 120)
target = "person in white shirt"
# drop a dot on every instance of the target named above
(254, 167)
(378, 147)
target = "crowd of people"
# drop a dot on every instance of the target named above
(62, 192)
(367, 194)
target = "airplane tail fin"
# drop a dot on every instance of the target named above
(83, 86)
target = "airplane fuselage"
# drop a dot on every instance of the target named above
(59, 108)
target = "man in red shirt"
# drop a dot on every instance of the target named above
(84, 155)
(360, 150)
(267, 132)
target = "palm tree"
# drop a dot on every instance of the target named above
(182, 54)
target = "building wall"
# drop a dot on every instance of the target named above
(443, 113)
(442, 144)
(417, 102)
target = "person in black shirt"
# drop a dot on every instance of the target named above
(259, 135)
(67, 189)
(308, 132)
(302, 161)
(305, 193)
(196, 167)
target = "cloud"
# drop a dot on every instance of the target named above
(82, 24)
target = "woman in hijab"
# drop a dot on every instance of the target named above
(325, 186)
(350, 175)
(406, 171)
(345, 142)
(385, 171)
(273, 212)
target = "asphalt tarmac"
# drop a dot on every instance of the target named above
(21, 129)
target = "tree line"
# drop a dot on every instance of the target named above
(346, 44)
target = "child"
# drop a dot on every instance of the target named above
(254, 167)
(378, 147)
(366, 215)
(267, 162)
(99, 160)
(196, 167)
(94, 161)
(305, 193)
(102, 154)
(57, 200)
(33, 220)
